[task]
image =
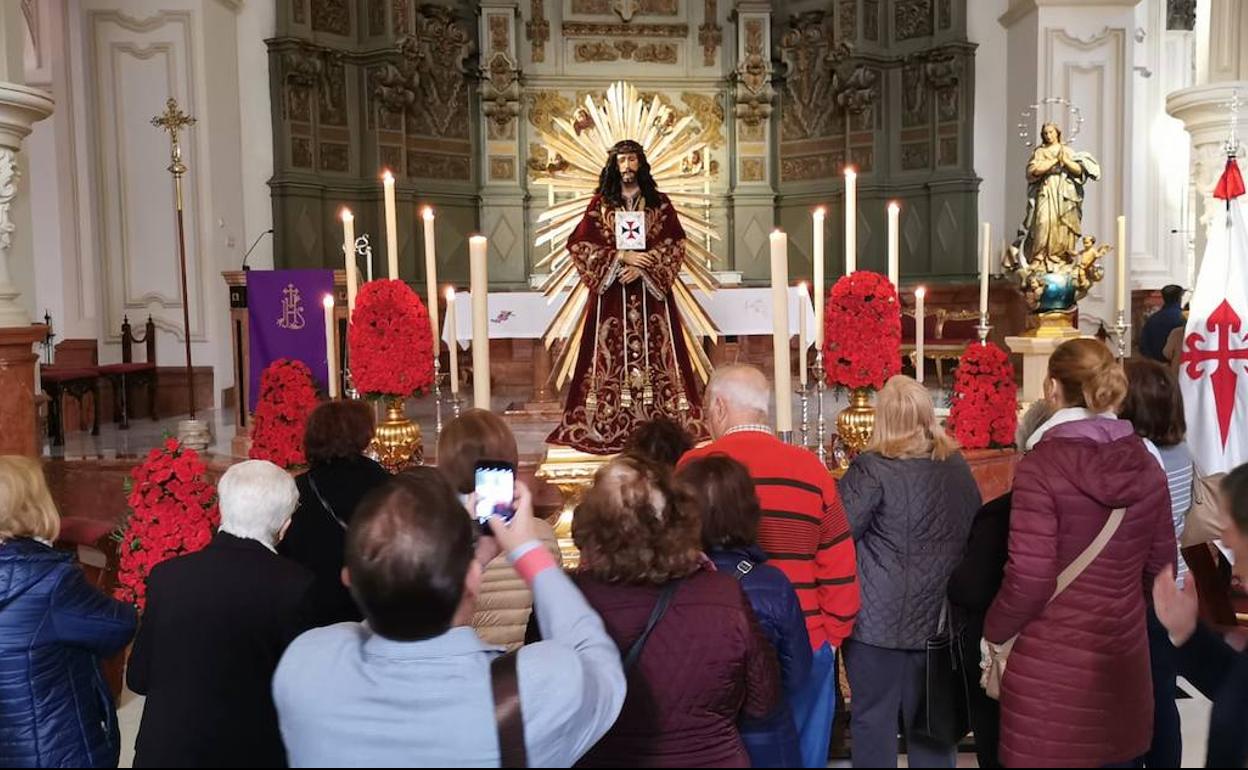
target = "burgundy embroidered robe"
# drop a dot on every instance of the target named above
(632, 328)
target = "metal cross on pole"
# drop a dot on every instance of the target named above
(1232, 141)
(173, 120)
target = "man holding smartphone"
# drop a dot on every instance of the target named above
(414, 685)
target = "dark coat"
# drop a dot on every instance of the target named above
(772, 741)
(216, 624)
(318, 542)
(55, 708)
(1077, 691)
(1221, 675)
(705, 665)
(910, 520)
(972, 587)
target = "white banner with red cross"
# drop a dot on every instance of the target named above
(1214, 371)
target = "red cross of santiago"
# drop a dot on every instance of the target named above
(1225, 322)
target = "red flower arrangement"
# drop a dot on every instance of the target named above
(173, 510)
(862, 331)
(389, 342)
(984, 411)
(287, 397)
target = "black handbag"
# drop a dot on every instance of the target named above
(943, 708)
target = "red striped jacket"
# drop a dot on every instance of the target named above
(803, 529)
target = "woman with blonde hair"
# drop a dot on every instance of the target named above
(55, 708)
(910, 498)
(505, 603)
(1091, 505)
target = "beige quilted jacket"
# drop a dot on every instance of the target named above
(505, 602)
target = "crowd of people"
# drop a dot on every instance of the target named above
(348, 617)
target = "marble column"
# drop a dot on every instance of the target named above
(753, 193)
(1206, 114)
(1221, 69)
(20, 107)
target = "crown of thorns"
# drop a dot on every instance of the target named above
(626, 146)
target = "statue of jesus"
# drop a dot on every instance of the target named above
(632, 363)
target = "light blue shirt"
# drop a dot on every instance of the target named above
(347, 697)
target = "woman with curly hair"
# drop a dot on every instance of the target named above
(694, 655)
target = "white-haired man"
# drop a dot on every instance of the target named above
(803, 530)
(216, 624)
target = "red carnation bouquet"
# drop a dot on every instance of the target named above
(287, 397)
(862, 331)
(173, 510)
(389, 342)
(984, 411)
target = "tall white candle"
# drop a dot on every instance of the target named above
(985, 268)
(780, 330)
(894, 244)
(1122, 263)
(478, 247)
(348, 250)
(331, 347)
(431, 276)
(920, 295)
(819, 278)
(851, 221)
(454, 343)
(392, 226)
(801, 335)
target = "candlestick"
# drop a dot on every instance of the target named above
(348, 251)
(894, 245)
(801, 336)
(985, 268)
(820, 425)
(920, 294)
(805, 396)
(453, 345)
(478, 247)
(819, 279)
(331, 347)
(780, 333)
(1121, 327)
(851, 220)
(431, 277)
(1122, 263)
(392, 225)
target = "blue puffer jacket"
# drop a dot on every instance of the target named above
(55, 709)
(772, 742)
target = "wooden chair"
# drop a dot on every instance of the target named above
(130, 372)
(1213, 586)
(946, 333)
(75, 374)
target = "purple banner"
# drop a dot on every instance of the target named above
(286, 318)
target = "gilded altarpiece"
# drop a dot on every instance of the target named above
(886, 86)
(453, 98)
(359, 86)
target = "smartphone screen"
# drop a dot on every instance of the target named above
(495, 488)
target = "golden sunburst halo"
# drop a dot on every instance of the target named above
(679, 160)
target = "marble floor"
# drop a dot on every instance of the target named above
(1193, 711)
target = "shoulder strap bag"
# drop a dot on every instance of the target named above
(660, 609)
(508, 716)
(994, 664)
(325, 503)
(1204, 522)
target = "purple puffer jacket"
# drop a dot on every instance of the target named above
(1077, 691)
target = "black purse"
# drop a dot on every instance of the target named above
(943, 709)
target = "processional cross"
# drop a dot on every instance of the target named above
(173, 120)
